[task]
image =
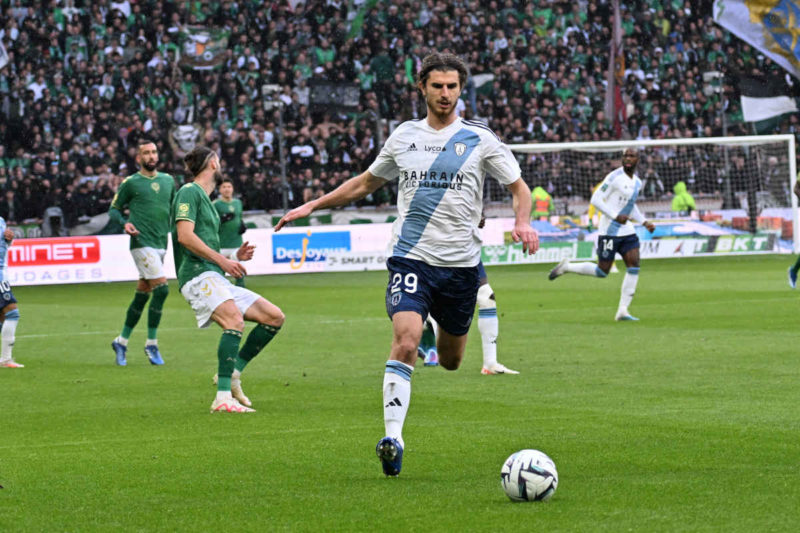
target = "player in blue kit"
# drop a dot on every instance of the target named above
(616, 201)
(9, 314)
(441, 163)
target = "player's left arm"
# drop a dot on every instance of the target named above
(189, 240)
(521, 203)
(499, 162)
(637, 216)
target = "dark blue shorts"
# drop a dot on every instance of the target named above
(6, 296)
(608, 246)
(448, 294)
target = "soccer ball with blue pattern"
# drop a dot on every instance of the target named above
(528, 476)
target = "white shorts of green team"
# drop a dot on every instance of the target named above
(149, 262)
(209, 290)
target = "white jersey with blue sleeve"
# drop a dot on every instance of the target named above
(3, 249)
(616, 196)
(440, 188)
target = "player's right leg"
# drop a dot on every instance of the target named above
(408, 298)
(134, 313)
(212, 301)
(10, 319)
(631, 256)
(407, 330)
(606, 250)
(150, 262)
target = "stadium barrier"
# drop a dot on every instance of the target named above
(105, 258)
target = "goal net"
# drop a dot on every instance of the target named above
(741, 182)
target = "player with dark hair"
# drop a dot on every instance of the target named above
(231, 226)
(616, 201)
(441, 163)
(201, 267)
(148, 195)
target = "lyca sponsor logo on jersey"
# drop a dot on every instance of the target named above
(429, 148)
(298, 248)
(63, 251)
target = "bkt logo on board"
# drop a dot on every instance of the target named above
(297, 248)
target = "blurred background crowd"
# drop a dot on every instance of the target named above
(84, 81)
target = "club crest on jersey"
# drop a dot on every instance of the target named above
(396, 298)
(460, 148)
(155, 186)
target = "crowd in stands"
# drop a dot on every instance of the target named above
(86, 80)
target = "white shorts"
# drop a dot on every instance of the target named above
(149, 262)
(209, 290)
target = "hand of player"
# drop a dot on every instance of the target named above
(131, 230)
(622, 219)
(298, 212)
(245, 251)
(528, 236)
(8, 235)
(234, 268)
(650, 226)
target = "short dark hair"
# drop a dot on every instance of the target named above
(197, 158)
(227, 179)
(144, 140)
(442, 62)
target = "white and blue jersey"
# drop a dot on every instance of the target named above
(616, 196)
(440, 190)
(6, 296)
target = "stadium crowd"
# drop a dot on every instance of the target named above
(85, 80)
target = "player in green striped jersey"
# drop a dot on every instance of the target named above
(148, 196)
(213, 298)
(231, 225)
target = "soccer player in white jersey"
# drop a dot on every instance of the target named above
(9, 314)
(441, 162)
(616, 201)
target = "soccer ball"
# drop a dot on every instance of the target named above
(529, 475)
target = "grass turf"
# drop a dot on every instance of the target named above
(685, 421)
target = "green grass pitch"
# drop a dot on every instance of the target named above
(685, 421)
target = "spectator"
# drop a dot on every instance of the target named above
(683, 202)
(85, 87)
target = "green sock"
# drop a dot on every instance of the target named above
(134, 313)
(226, 354)
(258, 338)
(428, 339)
(160, 294)
(796, 266)
(240, 282)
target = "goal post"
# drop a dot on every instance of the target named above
(747, 176)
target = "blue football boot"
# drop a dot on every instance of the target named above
(120, 352)
(153, 354)
(390, 452)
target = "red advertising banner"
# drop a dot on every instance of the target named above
(57, 251)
